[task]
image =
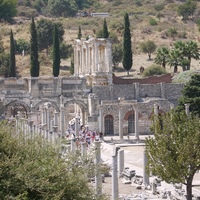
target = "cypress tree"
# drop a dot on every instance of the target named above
(12, 63)
(105, 33)
(56, 53)
(127, 50)
(79, 33)
(35, 67)
(72, 65)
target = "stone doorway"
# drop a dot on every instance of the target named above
(131, 124)
(109, 125)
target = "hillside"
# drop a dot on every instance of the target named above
(141, 15)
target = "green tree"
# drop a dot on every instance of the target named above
(8, 9)
(188, 50)
(22, 45)
(191, 95)
(148, 47)
(4, 61)
(117, 52)
(45, 29)
(72, 65)
(187, 9)
(12, 63)
(191, 51)
(175, 58)
(161, 56)
(56, 53)
(33, 169)
(105, 29)
(127, 60)
(173, 152)
(65, 8)
(79, 33)
(35, 67)
(172, 32)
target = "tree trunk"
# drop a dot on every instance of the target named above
(149, 56)
(127, 72)
(189, 188)
(175, 69)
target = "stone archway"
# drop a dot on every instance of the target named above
(76, 108)
(41, 103)
(12, 108)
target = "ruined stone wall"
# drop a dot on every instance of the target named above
(138, 91)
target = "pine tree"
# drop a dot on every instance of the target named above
(105, 30)
(12, 63)
(79, 33)
(56, 53)
(127, 50)
(35, 68)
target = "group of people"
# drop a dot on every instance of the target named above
(84, 135)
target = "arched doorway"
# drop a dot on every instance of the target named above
(12, 109)
(109, 126)
(131, 123)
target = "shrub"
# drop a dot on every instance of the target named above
(21, 45)
(138, 2)
(154, 70)
(159, 7)
(153, 22)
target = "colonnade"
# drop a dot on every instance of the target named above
(121, 119)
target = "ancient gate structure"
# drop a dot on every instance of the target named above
(89, 95)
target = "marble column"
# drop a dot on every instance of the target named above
(43, 116)
(120, 161)
(56, 118)
(98, 179)
(121, 123)
(145, 164)
(136, 123)
(115, 189)
(62, 121)
(187, 109)
(155, 109)
(76, 126)
(100, 119)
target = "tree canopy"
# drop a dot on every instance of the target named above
(127, 59)
(35, 66)
(148, 47)
(56, 53)
(173, 152)
(45, 29)
(12, 63)
(191, 95)
(8, 9)
(187, 9)
(34, 169)
(64, 8)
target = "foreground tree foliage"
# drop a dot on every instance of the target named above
(191, 95)
(174, 153)
(33, 169)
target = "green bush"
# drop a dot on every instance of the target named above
(154, 70)
(21, 45)
(159, 7)
(153, 22)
